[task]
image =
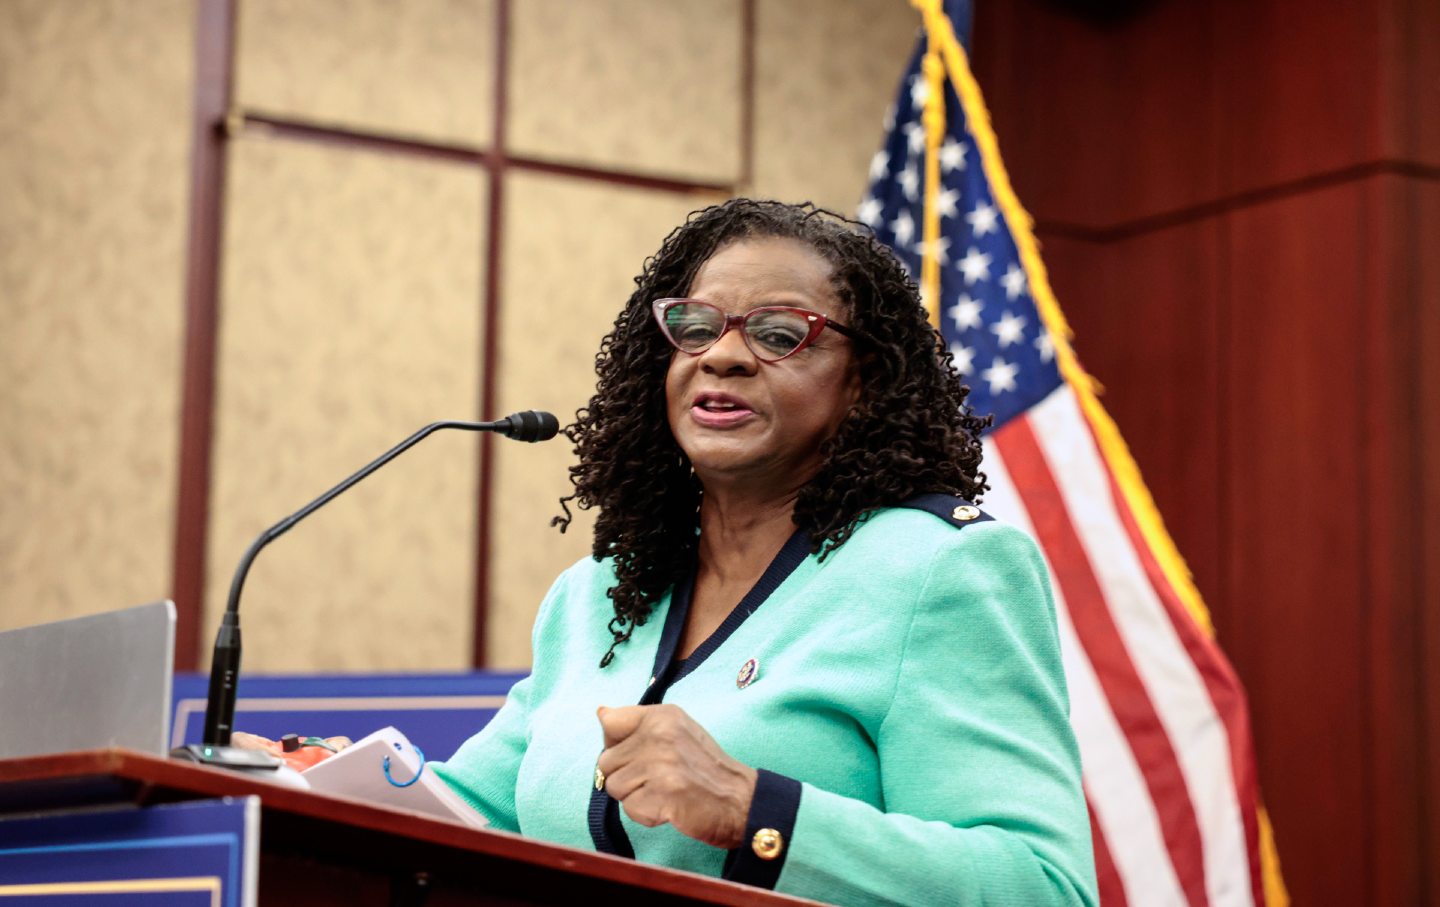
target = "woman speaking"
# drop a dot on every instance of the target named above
(800, 657)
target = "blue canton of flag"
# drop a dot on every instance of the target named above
(987, 315)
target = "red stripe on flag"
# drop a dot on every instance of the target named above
(1107, 877)
(1095, 627)
(1224, 688)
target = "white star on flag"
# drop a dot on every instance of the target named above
(942, 249)
(964, 357)
(952, 155)
(946, 202)
(1013, 281)
(984, 219)
(904, 228)
(1046, 345)
(879, 164)
(919, 91)
(909, 180)
(975, 266)
(869, 211)
(1001, 375)
(965, 313)
(1009, 329)
(915, 137)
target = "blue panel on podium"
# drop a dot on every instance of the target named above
(437, 712)
(203, 854)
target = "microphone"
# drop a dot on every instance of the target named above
(530, 426)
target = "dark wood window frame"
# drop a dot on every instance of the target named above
(216, 121)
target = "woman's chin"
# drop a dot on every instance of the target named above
(725, 465)
(722, 450)
(722, 466)
(750, 473)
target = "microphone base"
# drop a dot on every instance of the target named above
(231, 757)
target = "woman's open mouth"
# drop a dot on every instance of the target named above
(720, 410)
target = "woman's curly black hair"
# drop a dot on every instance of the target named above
(909, 433)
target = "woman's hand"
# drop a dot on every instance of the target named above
(307, 754)
(663, 767)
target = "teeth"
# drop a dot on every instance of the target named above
(718, 404)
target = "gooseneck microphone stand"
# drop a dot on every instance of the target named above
(225, 662)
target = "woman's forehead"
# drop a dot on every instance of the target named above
(765, 265)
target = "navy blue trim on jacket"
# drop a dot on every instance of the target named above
(777, 797)
(606, 829)
(774, 807)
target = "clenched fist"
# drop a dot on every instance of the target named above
(663, 767)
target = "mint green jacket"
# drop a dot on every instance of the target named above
(907, 709)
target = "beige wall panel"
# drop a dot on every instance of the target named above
(571, 253)
(825, 72)
(95, 102)
(422, 68)
(646, 86)
(350, 316)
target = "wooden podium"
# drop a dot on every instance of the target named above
(319, 849)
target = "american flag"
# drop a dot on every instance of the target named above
(1160, 716)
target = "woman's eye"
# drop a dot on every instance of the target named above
(778, 334)
(778, 337)
(694, 333)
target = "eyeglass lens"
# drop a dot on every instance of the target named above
(772, 333)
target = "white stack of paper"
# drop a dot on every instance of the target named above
(359, 772)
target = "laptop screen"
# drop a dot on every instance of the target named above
(88, 683)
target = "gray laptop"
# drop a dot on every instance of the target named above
(88, 683)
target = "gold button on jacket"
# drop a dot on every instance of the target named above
(767, 843)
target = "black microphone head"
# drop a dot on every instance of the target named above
(531, 426)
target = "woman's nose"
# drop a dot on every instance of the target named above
(730, 354)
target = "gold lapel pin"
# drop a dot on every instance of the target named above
(749, 671)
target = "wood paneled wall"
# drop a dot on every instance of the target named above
(520, 160)
(246, 245)
(94, 129)
(1240, 209)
